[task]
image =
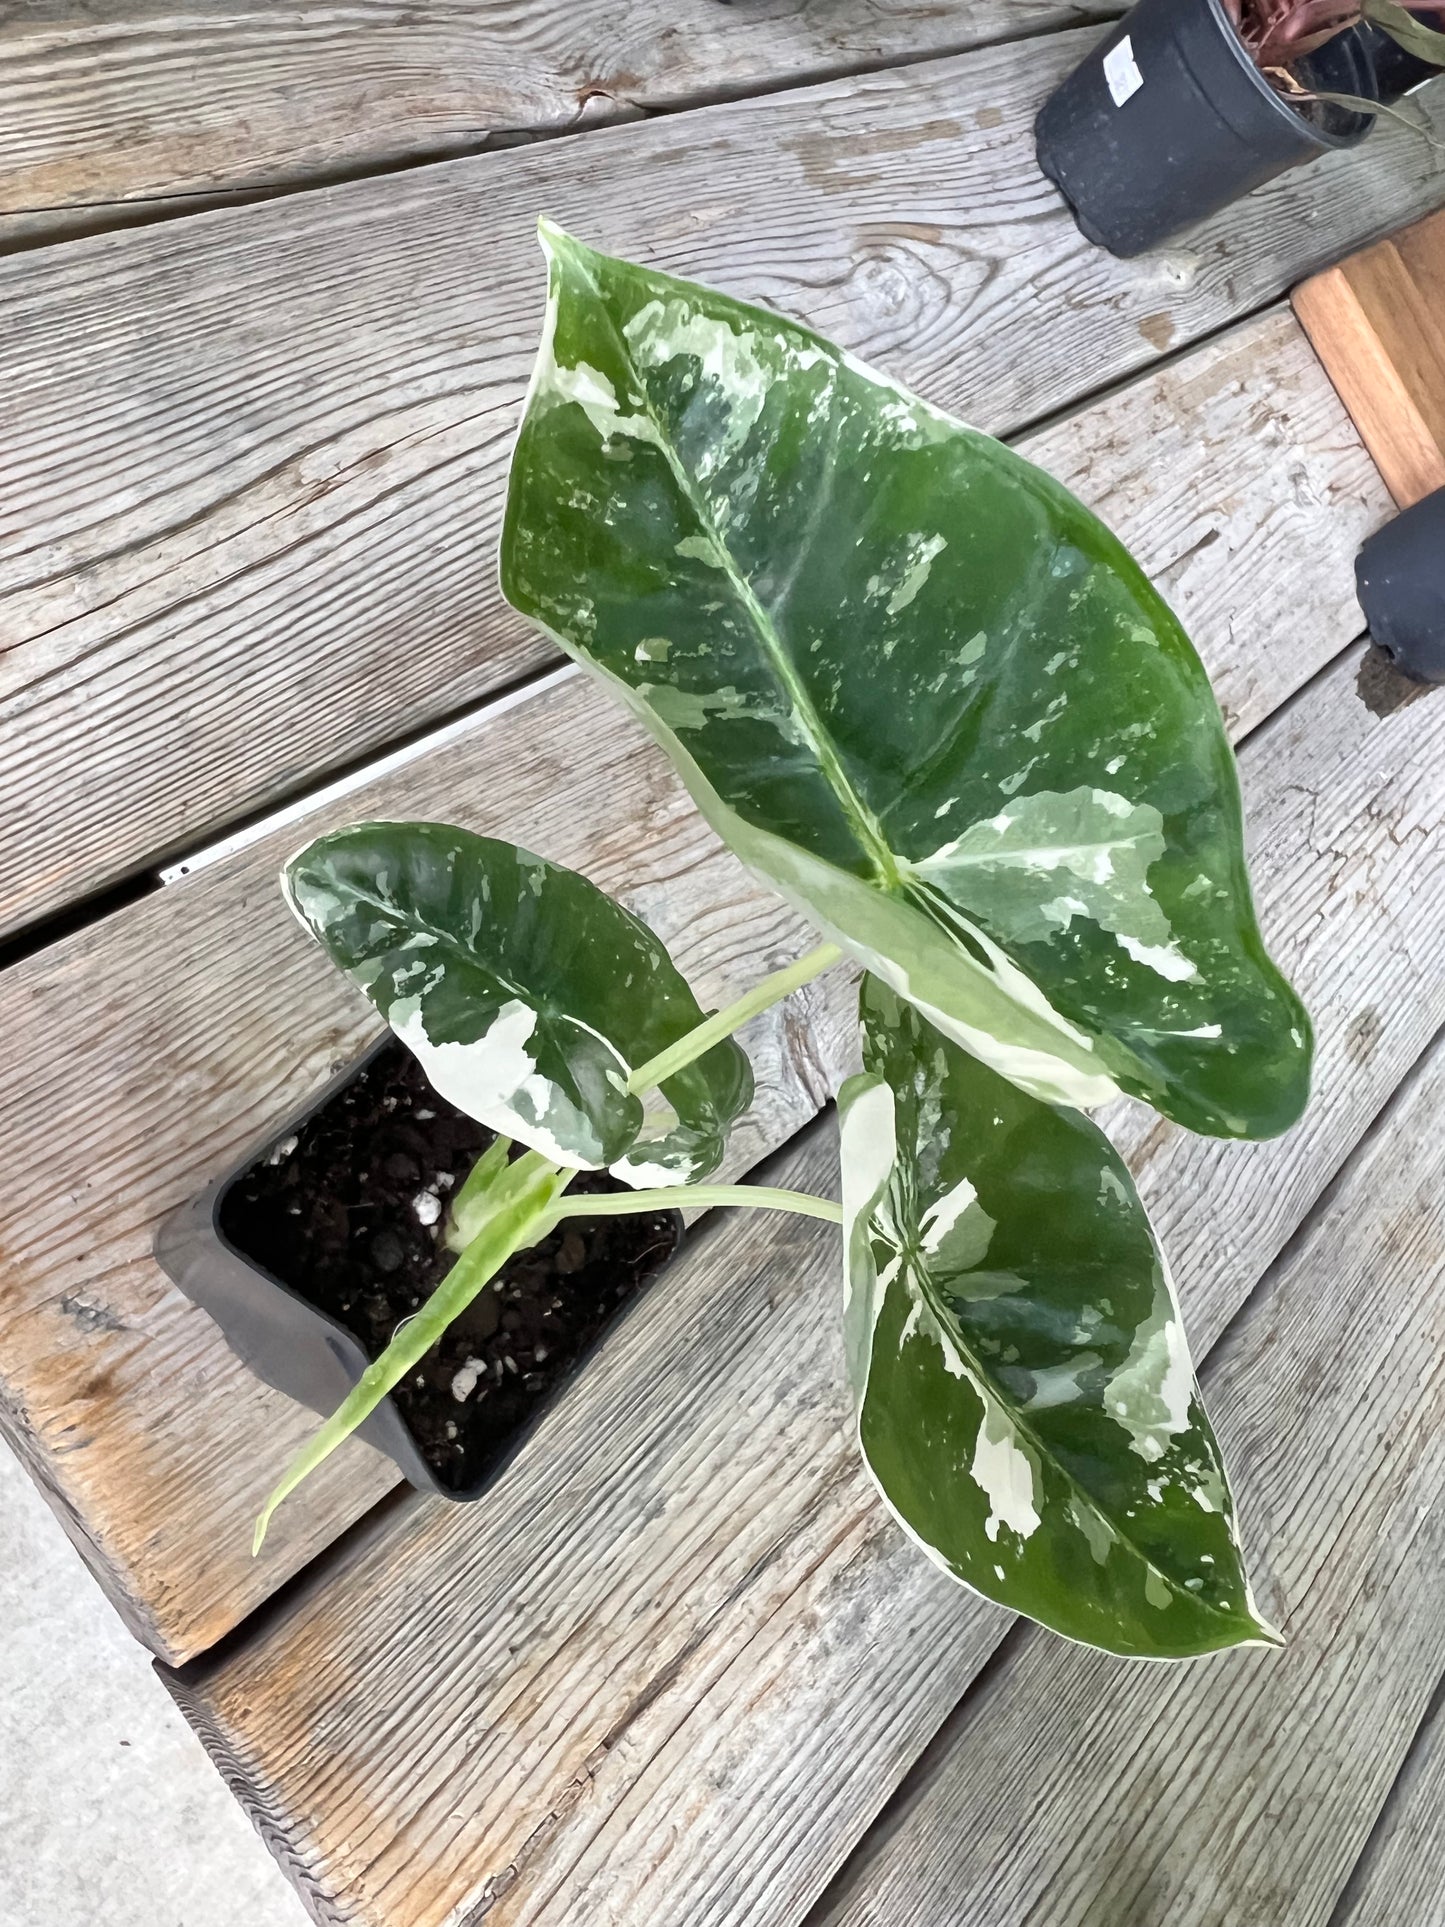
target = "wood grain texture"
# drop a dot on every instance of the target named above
(1079, 1789)
(255, 460)
(710, 1655)
(1377, 322)
(1400, 1876)
(160, 1044)
(113, 101)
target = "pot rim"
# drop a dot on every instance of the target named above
(1281, 103)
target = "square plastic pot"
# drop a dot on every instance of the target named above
(286, 1341)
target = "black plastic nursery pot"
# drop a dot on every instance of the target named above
(312, 1251)
(1168, 120)
(1400, 578)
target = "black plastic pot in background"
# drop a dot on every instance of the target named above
(289, 1343)
(1168, 120)
(1400, 576)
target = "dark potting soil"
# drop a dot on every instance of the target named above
(350, 1214)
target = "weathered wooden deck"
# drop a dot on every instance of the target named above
(679, 1670)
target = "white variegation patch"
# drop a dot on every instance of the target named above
(1004, 1471)
(595, 396)
(918, 562)
(1166, 960)
(955, 1231)
(736, 363)
(1050, 856)
(495, 1080)
(643, 1175)
(1152, 1393)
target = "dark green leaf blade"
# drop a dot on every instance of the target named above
(1025, 1397)
(913, 683)
(526, 993)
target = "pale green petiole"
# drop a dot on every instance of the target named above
(521, 1199)
(472, 1204)
(772, 990)
(757, 1197)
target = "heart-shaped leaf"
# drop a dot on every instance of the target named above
(913, 683)
(527, 994)
(1024, 1392)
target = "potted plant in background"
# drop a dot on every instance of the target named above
(925, 694)
(1189, 104)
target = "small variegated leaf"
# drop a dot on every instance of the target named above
(913, 683)
(1025, 1397)
(527, 994)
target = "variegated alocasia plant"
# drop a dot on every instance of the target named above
(920, 690)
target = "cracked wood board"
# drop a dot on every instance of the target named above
(710, 1655)
(1082, 1791)
(234, 94)
(1377, 322)
(270, 551)
(162, 1043)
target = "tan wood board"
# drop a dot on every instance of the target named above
(1079, 1789)
(1400, 1877)
(159, 1045)
(1377, 322)
(255, 460)
(226, 94)
(709, 1656)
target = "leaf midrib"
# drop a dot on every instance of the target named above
(863, 822)
(1017, 855)
(915, 1268)
(547, 1009)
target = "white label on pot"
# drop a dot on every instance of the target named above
(1121, 70)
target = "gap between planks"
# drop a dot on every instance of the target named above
(1400, 1876)
(710, 1657)
(161, 1044)
(237, 98)
(271, 552)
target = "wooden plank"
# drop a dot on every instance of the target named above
(234, 95)
(712, 1656)
(124, 1394)
(1401, 1874)
(1083, 1789)
(255, 463)
(1377, 322)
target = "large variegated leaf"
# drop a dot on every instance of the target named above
(528, 995)
(913, 683)
(1025, 1397)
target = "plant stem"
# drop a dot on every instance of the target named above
(522, 1200)
(723, 1023)
(469, 1206)
(621, 1204)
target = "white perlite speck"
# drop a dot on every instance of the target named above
(465, 1381)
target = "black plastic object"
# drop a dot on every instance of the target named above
(1168, 120)
(1397, 71)
(1400, 576)
(285, 1341)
